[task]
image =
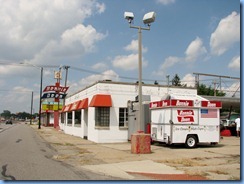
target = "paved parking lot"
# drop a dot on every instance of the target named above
(211, 162)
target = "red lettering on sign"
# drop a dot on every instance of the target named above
(56, 89)
(157, 104)
(185, 112)
(184, 119)
(211, 104)
(182, 103)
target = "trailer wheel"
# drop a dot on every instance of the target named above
(191, 141)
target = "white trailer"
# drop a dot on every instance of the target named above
(188, 119)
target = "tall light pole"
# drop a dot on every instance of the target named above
(147, 19)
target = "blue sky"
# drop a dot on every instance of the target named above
(93, 37)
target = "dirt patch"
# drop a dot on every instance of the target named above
(223, 168)
(219, 162)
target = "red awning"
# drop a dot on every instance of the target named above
(101, 100)
(66, 108)
(75, 106)
(83, 104)
(63, 108)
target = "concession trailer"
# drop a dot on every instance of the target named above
(188, 119)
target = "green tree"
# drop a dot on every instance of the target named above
(24, 115)
(176, 80)
(202, 89)
(6, 114)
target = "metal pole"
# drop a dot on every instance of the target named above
(167, 83)
(31, 107)
(140, 124)
(66, 77)
(140, 79)
(40, 102)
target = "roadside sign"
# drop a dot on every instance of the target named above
(53, 95)
(59, 89)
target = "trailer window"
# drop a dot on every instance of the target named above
(123, 117)
(102, 116)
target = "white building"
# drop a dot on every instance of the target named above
(99, 112)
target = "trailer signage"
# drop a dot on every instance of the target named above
(162, 103)
(182, 103)
(185, 112)
(211, 104)
(183, 119)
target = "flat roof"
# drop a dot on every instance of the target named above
(127, 83)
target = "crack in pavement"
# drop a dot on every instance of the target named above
(4, 169)
(18, 140)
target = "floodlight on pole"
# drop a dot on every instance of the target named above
(147, 19)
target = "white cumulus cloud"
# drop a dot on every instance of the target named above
(189, 80)
(99, 66)
(165, 2)
(107, 75)
(127, 62)
(195, 50)
(226, 34)
(168, 62)
(29, 28)
(133, 47)
(235, 63)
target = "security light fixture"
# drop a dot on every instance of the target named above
(149, 18)
(129, 16)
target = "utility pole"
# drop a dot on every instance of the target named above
(214, 83)
(66, 74)
(196, 80)
(66, 77)
(40, 102)
(31, 107)
(167, 76)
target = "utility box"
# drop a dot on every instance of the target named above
(140, 143)
(133, 115)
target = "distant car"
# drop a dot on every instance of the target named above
(9, 122)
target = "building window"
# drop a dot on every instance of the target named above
(123, 117)
(69, 118)
(78, 117)
(102, 116)
(62, 118)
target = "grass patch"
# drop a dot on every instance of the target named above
(183, 162)
(197, 173)
(234, 178)
(62, 144)
(218, 172)
(68, 144)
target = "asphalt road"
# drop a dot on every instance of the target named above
(26, 156)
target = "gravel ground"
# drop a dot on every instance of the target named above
(213, 162)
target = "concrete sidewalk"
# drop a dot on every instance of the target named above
(117, 160)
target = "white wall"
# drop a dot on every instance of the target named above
(120, 94)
